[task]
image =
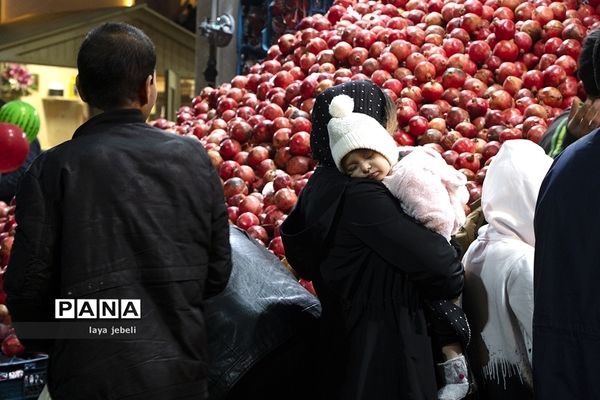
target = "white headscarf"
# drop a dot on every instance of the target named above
(511, 187)
(498, 296)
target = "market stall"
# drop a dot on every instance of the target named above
(465, 77)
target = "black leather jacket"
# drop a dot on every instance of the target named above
(122, 211)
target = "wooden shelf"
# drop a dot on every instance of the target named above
(62, 117)
(62, 98)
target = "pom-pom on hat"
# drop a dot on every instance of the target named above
(350, 131)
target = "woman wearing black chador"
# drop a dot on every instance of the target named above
(372, 267)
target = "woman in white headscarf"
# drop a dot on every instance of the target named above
(498, 295)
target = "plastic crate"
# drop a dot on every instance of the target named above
(22, 378)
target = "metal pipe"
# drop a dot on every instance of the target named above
(213, 10)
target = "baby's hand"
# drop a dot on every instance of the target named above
(584, 117)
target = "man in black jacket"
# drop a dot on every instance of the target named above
(565, 321)
(121, 211)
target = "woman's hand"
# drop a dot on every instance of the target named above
(584, 117)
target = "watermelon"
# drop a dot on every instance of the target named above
(23, 115)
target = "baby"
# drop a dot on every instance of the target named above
(429, 190)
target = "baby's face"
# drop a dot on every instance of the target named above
(364, 163)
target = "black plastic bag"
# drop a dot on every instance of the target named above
(262, 328)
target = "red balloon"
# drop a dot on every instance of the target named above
(13, 147)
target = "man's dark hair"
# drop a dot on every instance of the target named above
(114, 60)
(589, 63)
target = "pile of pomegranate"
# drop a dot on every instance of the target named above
(465, 77)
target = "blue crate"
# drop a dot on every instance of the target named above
(22, 378)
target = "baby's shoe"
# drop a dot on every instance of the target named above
(456, 379)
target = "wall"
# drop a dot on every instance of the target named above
(14, 9)
(165, 8)
(59, 116)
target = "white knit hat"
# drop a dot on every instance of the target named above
(351, 131)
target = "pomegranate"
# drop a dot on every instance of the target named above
(479, 51)
(250, 204)
(11, 346)
(246, 220)
(233, 186)
(466, 129)
(276, 246)
(430, 111)
(554, 75)
(265, 166)
(510, 134)
(455, 116)
(259, 233)
(404, 139)
(430, 136)
(229, 148)
(536, 132)
(424, 71)
(568, 64)
(500, 100)
(477, 107)
(401, 49)
(226, 169)
(550, 96)
(523, 41)
(432, 91)
(298, 165)
(506, 50)
(299, 144)
(245, 172)
(569, 87)
(468, 161)
(405, 113)
(285, 199)
(504, 29)
(464, 145)
(417, 125)
(453, 78)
